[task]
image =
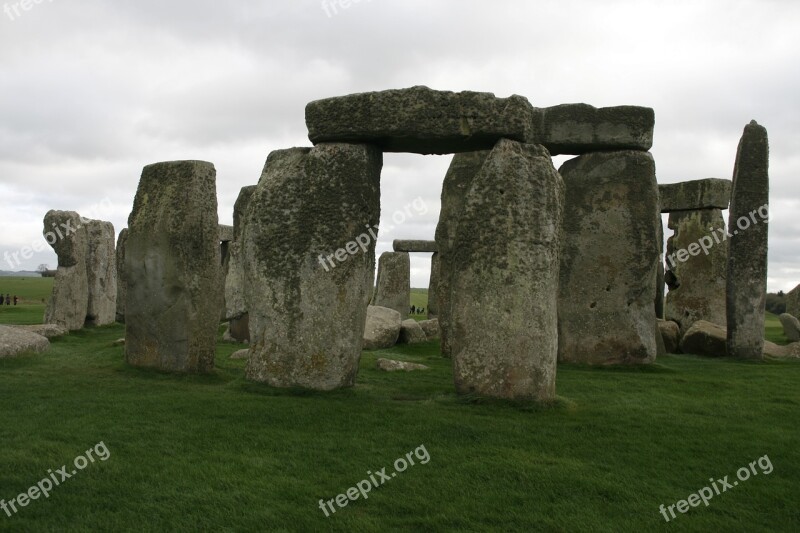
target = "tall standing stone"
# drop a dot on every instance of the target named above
(660, 283)
(235, 306)
(457, 182)
(793, 301)
(505, 289)
(69, 301)
(101, 272)
(307, 315)
(698, 258)
(609, 259)
(433, 287)
(747, 255)
(173, 269)
(122, 284)
(393, 288)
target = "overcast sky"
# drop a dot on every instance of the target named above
(91, 91)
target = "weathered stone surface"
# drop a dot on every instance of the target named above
(390, 365)
(173, 270)
(433, 287)
(122, 283)
(235, 306)
(704, 338)
(411, 332)
(239, 328)
(414, 246)
(791, 327)
(661, 349)
(393, 289)
(711, 193)
(101, 272)
(240, 354)
(671, 335)
(420, 120)
(457, 182)
(69, 301)
(789, 351)
(307, 321)
(581, 128)
(48, 331)
(747, 263)
(382, 328)
(793, 301)
(225, 233)
(609, 259)
(660, 281)
(504, 287)
(430, 327)
(698, 258)
(15, 341)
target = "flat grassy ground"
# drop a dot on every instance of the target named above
(773, 329)
(33, 294)
(217, 453)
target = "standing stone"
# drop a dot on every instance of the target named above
(793, 301)
(235, 307)
(307, 315)
(659, 299)
(172, 265)
(69, 301)
(747, 264)
(122, 284)
(433, 287)
(101, 272)
(505, 289)
(457, 182)
(698, 258)
(393, 289)
(791, 327)
(609, 259)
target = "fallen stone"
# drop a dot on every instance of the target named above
(382, 328)
(15, 341)
(420, 120)
(101, 272)
(240, 354)
(307, 320)
(581, 128)
(414, 246)
(791, 327)
(504, 276)
(69, 302)
(122, 283)
(609, 259)
(411, 332)
(671, 335)
(711, 193)
(747, 248)
(430, 327)
(173, 270)
(390, 365)
(48, 331)
(393, 289)
(704, 338)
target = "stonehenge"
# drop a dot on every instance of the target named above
(101, 273)
(173, 269)
(235, 306)
(393, 289)
(122, 284)
(400, 245)
(710, 193)
(410, 246)
(747, 263)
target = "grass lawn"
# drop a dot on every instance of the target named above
(217, 453)
(33, 293)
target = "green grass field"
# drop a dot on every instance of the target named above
(32, 293)
(218, 453)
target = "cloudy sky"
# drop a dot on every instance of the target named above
(93, 90)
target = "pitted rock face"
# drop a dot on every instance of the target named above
(68, 304)
(382, 328)
(747, 263)
(101, 272)
(307, 319)
(393, 289)
(172, 265)
(609, 259)
(122, 284)
(401, 245)
(235, 306)
(711, 193)
(504, 276)
(15, 341)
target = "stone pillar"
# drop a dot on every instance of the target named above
(609, 259)
(122, 284)
(235, 307)
(659, 300)
(308, 281)
(101, 272)
(457, 182)
(747, 257)
(433, 287)
(698, 258)
(173, 269)
(793, 302)
(504, 291)
(68, 303)
(393, 289)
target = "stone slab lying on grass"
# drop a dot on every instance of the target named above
(671, 335)
(430, 327)
(411, 332)
(240, 354)
(382, 328)
(390, 365)
(711, 193)
(45, 330)
(16, 341)
(791, 327)
(705, 338)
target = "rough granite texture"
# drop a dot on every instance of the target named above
(235, 306)
(704, 338)
(306, 321)
(793, 302)
(504, 289)
(747, 263)
(791, 327)
(670, 334)
(414, 246)
(122, 284)
(69, 300)
(101, 272)
(432, 309)
(393, 288)
(411, 332)
(711, 193)
(382, 328)
(15, 341)
(172, 264)
(609, 259)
